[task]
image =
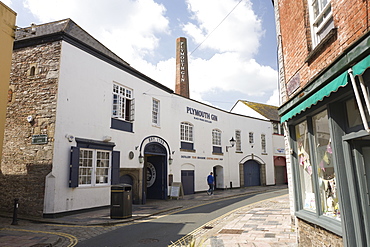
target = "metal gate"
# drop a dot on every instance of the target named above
(187, 180)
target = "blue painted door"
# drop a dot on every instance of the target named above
(251, 173)
(156, 177)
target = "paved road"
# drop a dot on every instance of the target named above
(163, 230)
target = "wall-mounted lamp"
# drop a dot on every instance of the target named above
(232, 142)
(141, 159)
(170, 160)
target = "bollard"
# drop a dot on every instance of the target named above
(15, 212)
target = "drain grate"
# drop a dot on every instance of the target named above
(207, 227)
(231, 231)
(148, 240)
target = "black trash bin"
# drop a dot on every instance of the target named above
(121, 201)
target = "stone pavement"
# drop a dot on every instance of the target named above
(257, 223)
(262, 224)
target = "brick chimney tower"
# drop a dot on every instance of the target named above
(182, 75)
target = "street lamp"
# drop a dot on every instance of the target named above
(232, 142)
(141, 159)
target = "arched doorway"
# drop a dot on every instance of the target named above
(252, 176)
(128, 179)
(155, 171)
(218, 174)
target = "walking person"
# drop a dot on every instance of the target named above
(211, 183)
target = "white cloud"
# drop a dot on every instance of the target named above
(274, 99)
(133, 29)
(126, 27)
(234, 42)
(227, 71)
(7, 2)
(239, 31)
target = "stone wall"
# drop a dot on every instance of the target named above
(137, 178)
(312, 235)
(31, 111)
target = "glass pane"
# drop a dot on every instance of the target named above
(353, 113)
(316, 10)
(305, 167)
(325, 167)
(275, 128)
(238, 140)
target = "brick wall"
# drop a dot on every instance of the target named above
(182, 74)
(351, 18)
(312, 235)
(24, 165)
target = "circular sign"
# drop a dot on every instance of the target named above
(151, 174)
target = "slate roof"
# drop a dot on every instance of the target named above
(268, 111)
(65, 27)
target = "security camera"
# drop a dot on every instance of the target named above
(29, 119)
(70, 137)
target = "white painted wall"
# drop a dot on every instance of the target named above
(243, 109)
(84, 110)
(278, 145)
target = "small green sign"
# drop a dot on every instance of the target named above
(39, 139)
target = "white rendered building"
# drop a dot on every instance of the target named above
(80, 119)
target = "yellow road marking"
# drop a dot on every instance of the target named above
(72, 239)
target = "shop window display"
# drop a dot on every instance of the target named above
(325, 168)
(305, 167)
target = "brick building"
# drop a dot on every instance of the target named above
(324, 55)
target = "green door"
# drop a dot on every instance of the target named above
(361, 154)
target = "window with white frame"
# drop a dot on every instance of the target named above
(216, 137)
(238, 140)
(186, 132)
(321, 19)
(263, 143)
(155, 112)
(123, 103)
(94, 167)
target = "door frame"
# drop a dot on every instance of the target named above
(158, 150)
(360, 188)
